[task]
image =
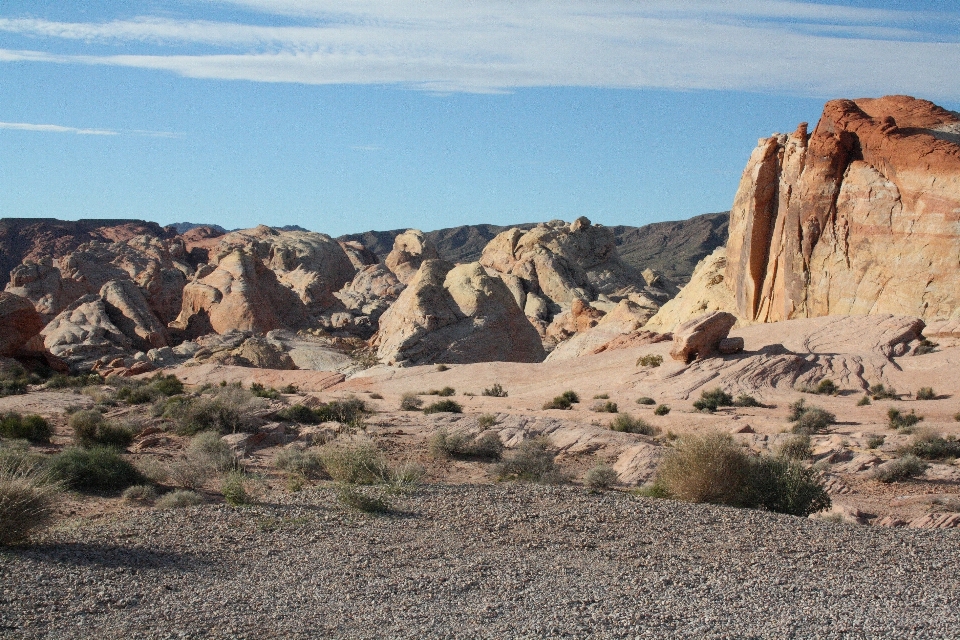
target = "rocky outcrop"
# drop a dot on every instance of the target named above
(707, 291)
(456, 315)
(358, 254)
(553, 265)
(83, 335)
(371, 292)
(410, 249)
(861, 217)
(19, 322)
(625, 320)
(127, 308)
(704, 337)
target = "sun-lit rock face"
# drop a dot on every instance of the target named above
(410, 249)
(860, 217)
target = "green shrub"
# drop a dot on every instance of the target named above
(233, 488)
(825, 387)
(785, 486)
(532, 462)
(91, 429)
(208, 449)
(864, 401)
(359, 463)
(926, 393)
(144, 493)
(260, 391)
(796, 447)
(193, 415)
(443, 406)
(932, 446)
(27, 494)
(366, 501)
(602, 396)
(410, 402)
(558, 403)
(350, 411)
(486, 420)
(405, 477)
(661, 410)
(646, 400)
(290, 389)
(909, 466)
(376, 396)
(744, 400)
(601, 477)
(898, 420)
(94, 469)
(650, 360)
(570, 396)
(12, 387)
(879, 392)
(465, 447)
(179, 499)
(605, 407)
(625, 423)
(447, 392)
(873, 442)
(303, 462)
(60, 381)
(442, 367)
(30, 427)
(496, 391)
(808, 419)
(298, 413)
(168, 385)
(712, 400)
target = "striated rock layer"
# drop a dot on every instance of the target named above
(860, 217)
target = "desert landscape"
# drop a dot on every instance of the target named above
(740, 425)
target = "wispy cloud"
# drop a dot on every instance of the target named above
(498, 45)
(56, 128)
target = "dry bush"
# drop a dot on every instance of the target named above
(712, 400)
(178, 499)
(601, 477)
(625, 423)
(605, 407)
(909, 466)
(646, 400)
(465, 447)
(443, 406)
(410, 402)
(796, 447)
(533, 461)
(91, 429)
(365, 500)
(143, 493)
(661, 410)
(902, 421)
(809, 419)
(297, 460)
(926, 393)
(30, 427)
(94, 469)
(496, 391)
(233, 488)
(27, 495)
(356, 463)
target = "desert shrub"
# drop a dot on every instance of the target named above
(601, 477)
(602, 396)
(447, 392)
(367, 501)
(809, 419)
(193, 415)
(532, 462)
(298, 413)
(465, 447)
(289, 389)
(604, 407)
(376, 396)
(898, 420)
(825, 387)
(712, 400)
(91, 429)
(260, 391)
(168, 385)
(496, 391)
(233, 488)
(864, 401)
(625, 423)
(874, 442)
(350, 412)
(879, 392)
(359, 463)
(570, 396)
(933, 446)
(796, 447)
(744, 400)
(714, 469)
(405, 477)
(303, 462)
(153, 470)
(188, 473)
(140, 493)
(27, 494)
(442, 367)
(410, 402)
(926, 393)
(60, 381)
(646, 400)
(650, 360)
(94, 469)
(179, 499)
(30, 427)
(486, 420)
(558, 403)
(909, 466)
(661, 410)
(209, 449)
(925, 347)
(443, 406)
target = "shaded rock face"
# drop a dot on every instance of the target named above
(371, 292)
(19, 322)
(410, 249)
(456, 315)
(552, 266)
(704, 337)
(621, 325)
(861, 217)
(83, 334)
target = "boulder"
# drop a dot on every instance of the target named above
(456, 315)
(858, 217)
(700, 338)
(410, 249)
(19, 322)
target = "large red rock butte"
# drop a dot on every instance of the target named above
(859, 217)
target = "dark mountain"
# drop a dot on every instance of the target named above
(672, 248)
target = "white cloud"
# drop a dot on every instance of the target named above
(498, 45)
(55, 128)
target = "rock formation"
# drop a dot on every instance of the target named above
(707, 291)
(621, 323)
(704, 337)
(456, 315)
(861, 217)
(410, 249)
(19, 322)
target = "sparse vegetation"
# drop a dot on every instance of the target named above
(233, 488)
(605, 407)
(357, 463)
(447, 392)
(712, 400)
(902, 421)
(925, 347)
(565, 400)
(825, 387)
(496, 391)
(27, 494)
(909, 466)
(625, 423)
(533, 461)
(647, 401)
(486, 420)
(91, 429)
(134, 391)
(350, 412)
(879, 392)
(60, 381)
(376, 396)
(410, 402)
(94, 469)
(744, 400)
(601, 477)
(796, 447)
(260, 391)
(290, 389)
(207, 449)
(189, 416)
(809, 419)
(442, 367)
(30, 427)
(930, 445)
(875, 442)
(366, 501)
(926, 393)
(602, 396)
(142, 493)
(661, 410)
(443, 406)
(306, 463)
(650, 360)
(864, 401)
(714, 469)
(179, 499)
(465, 447)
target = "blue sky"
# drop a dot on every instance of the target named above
(354, 115)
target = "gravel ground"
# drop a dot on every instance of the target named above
(502, 561)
